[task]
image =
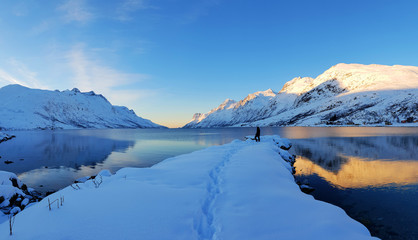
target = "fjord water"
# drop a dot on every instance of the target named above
(373, 177)
(372, 173)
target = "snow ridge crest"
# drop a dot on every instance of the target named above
(26, 108)
(355, 94)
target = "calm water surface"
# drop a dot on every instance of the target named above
(372, 173)
(373, 178)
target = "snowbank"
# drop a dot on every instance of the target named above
(241, 190)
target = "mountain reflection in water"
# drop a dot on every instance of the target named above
(374, 179)
(359, 162)
(360, 172)
(48, 160)
(51, 160)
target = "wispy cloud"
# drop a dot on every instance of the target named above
(69, 11)
(29, 77)
(42, 27)
(199, 9)
(20, 9)
(18, 73)
(76, 10)
(128, 7)
(91, 74)
(6, 78)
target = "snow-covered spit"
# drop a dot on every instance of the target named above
(241, 190)
(345, 94)
(25, 108)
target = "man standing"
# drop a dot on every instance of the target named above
(257, 135)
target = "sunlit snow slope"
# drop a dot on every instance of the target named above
(345, 94)
(25, 108)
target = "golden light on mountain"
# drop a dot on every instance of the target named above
(360, 172)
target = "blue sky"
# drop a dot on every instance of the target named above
(168, 59)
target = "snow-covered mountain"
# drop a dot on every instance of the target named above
(345, 94)
(25, 108)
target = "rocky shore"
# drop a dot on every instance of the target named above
(5, 137)
(15, 195)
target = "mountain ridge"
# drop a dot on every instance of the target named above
(348, 94)
(24, 108)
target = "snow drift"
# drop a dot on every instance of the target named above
(241, 190)
(25, 108)
(345, 94)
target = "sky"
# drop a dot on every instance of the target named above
(168, 59)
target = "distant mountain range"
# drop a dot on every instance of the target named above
(25, 108)
(345, 94)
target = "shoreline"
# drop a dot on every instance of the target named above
(221, 192)
(400, 125)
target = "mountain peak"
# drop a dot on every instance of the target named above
(373, 77)
(297, 85)
(76, 90)
(228, 101)
(267, 93)
(14, 86)
(227, 104)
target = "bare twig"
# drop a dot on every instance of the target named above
(76, 186)
(50, 203)
(11, 223)
(97, 181)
